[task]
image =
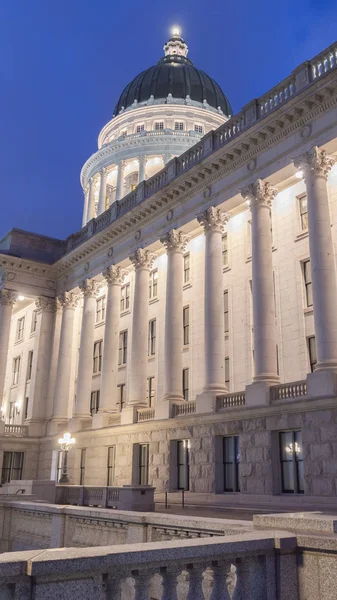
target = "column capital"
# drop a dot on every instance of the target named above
(45, 303)
(143, 158)
(7, 297)
(175, 241)
(103, 171)
(121, 164)
(114, 275)
(88, 288)
(142, 259)
(68, 300)
(213, 219)
(259, 193)
(315, 161)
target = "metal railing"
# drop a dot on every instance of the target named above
(285, 391)
(230, 400)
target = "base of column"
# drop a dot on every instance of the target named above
(36, 428)
(173, 398)
(103, 419)
(57, 425)
(129, 415)
(206, 401)
(79, 423)
(257, 393)
(165, 409)
(322, 384)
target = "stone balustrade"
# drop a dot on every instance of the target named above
(183, 409)
(145, 414)
(287, 391)
(124, 498)
(16, 430)
(230, 400)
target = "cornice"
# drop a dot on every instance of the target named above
(11, 266)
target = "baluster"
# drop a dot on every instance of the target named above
(257, 570)
(220, 572)
(169, 584)
(142, 580)
(113, 588)
(195, 583)
(242, 587)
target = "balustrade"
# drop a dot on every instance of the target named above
(231, 400)
(285, 391)
(324, 62)
(186, 408)
(145, 414)
(16, 430)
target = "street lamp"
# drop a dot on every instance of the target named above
(66, 442)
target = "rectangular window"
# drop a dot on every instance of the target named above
(111, 465)
(100, 310)
(198, 128)
(97, 356)
(20, 326)
(26, 408)
(225, 250)
(143, 464)
(303, 210)
(16, 370)
(183, 464)
(312, 352)
(185, 384)
(123, 347)
(187, 267)
(227, 374)
(307, 282)
(150, 392)
(140, 128)
(186, 325)
(94, 402)
(82, 465)
(121, 395)
(231, 462)
(291, 457)
(12, 466)
(152, 338)
(125, 297)
(179, 126)
(34, 322)
(153, 284)
(159, 126)
(30, 365)
(226, 311)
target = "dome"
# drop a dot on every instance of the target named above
(174, 75)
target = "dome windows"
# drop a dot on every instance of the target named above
(140, 128)
(159, 126)
(198, 128)
(179, 126)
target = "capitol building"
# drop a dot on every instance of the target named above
(186, 335)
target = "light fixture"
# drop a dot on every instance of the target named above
(21, 298)
(66, 442)
(299, 175)
(175, 31)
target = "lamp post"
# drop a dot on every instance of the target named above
(66, 443)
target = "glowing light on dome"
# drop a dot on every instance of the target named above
(176, 30)
(299, 174)
(21, 298)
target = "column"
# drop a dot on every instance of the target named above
(142, 160)
(120, 180)
(86, 202)
(88, 288)
(316, 166)
(68, 301)
(214, 221)
(46, 310)
(102, 191)
(91, 203)
(114, 277)
(260, 196)
(175, 243)
(7, 301)
(142, 260)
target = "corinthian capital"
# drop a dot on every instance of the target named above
(260, 192)
(142, 259)
(88, 288)
(213, 219)
(7, 297)
(114, 274)
(175, 241)
(68, 300)
(44, 303)
(315, 161)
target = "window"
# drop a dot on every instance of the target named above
(82, 465)
(140, 128)
(121, 395)
(312, 352)
(152, 338)
(198, 128)
(291, 457)
(143, 464)
(226, 311)
(183, 464)
(26, 408)
(12, 466)
(186, 325)
(94, 402)
(124, 133)
(179, 126)
(153, 284)
(225, 250)
(185, 383)
(30, 365)
(59, 466)
(97, 357)
(159, 126)
(16, 370)
(100, 310)
(307, 282)
(123, 347)
(303, 210)
(125, 297)
(150, 391)
(227, 374)
(187, 267)
(20, 329)
(111, 465)
(34, 322)
(231, 462)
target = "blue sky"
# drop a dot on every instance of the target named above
(64, 63)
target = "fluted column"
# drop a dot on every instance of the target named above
(142, 160)
(7, 301)
(86, 203)
(120, 180)
(175, 243)
(91, 203)
(114, 277)
(260, 196)
(214, 221)
(68, 301)
(102, 190)
(142, 260)
(88, 288)
(316, 166)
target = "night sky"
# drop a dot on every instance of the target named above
(63, 65)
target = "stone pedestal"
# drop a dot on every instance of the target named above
(129, 415)
(322, 384)
(206, 403)
(257, 393)
(165, 409)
